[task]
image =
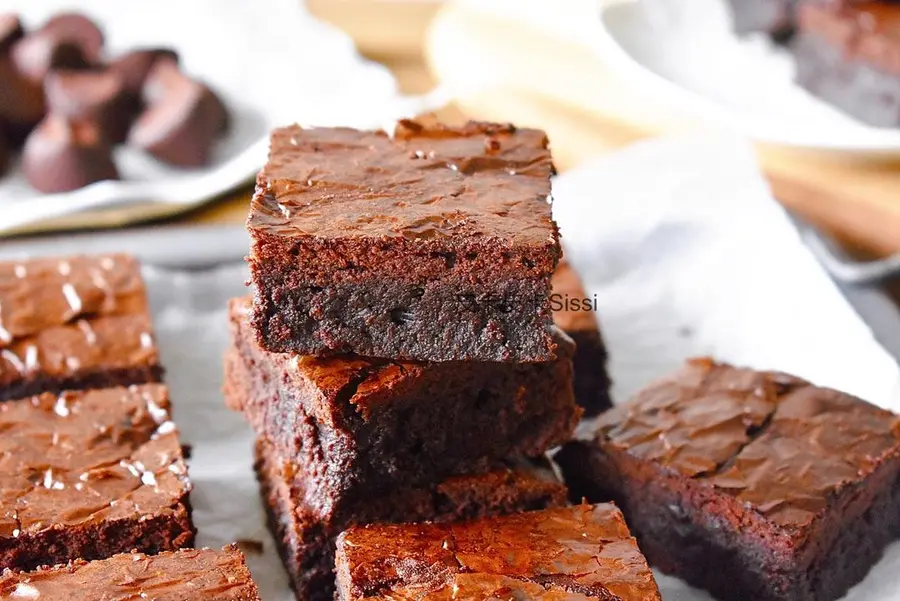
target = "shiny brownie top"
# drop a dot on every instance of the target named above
(426, 182)
(775, 442)
(59, 317)
(87, 457)
(580, 552)
(861, 30)
(186, 575)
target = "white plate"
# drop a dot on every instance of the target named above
(685, 56)
(272, 63)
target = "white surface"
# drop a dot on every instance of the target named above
(272, 63)
(685, 56)
(694, 259)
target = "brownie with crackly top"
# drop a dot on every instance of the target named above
(74, 323)
(185, 575)
(435, 243)
(368, 425)
(305, 533)
(578, 552)
(88, 474)
(752, 485)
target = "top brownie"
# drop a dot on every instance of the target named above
(435, 243)
(74, 323)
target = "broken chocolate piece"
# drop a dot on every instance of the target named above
(134, 67)
(67, 41)
(62, 155)
(182, 120)
(96, 97)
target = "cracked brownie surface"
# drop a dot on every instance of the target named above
(90, 474)
(368, 425)
(436, 243)
(186, 575)
(74, 323)
(754, 485)
(578, 552)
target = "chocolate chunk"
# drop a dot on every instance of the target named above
(11, 31)
(21, 101)
(67, 41)
(62, 155)
(182, 120)
(96, 97)
(134, 67)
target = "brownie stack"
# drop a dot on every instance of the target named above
(398, 359)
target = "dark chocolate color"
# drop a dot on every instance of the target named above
(66, 41)
(849, 55)
(306, 536)
(182, 120)
(90, 474)
(134, 67)
(753, 485)
(436, 244)
(573, 313)
(365, 425)
(74, 323)
(21, 100)
(95, 97)
(62, 155)
(582, 550)
(186, 575)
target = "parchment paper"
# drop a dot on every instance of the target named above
(687, 254)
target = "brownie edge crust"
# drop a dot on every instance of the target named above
(435, 244)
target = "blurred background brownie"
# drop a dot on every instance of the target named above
(775, 17)
(86, 475)
(305, 532)
(187, 575)
(756, 486)
(580, 552)
(74, 323)
(575, 314)
(433, 244)
(848, 53)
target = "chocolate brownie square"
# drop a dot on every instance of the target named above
(305, 533)
(752, 485)
(74, 323)
(433, 244)
(90, 474)
(186, 575)
(579, 552)
(848, 54)
(575, 314)
(368, 425)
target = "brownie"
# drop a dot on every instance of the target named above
(752, 485)
(581, 550)
(90, 474)
(187, 575)
(848, 54)
(74, 323)
(367, 425)
(305, 534)
(574, 312)
(775, 17)
(434, 244)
